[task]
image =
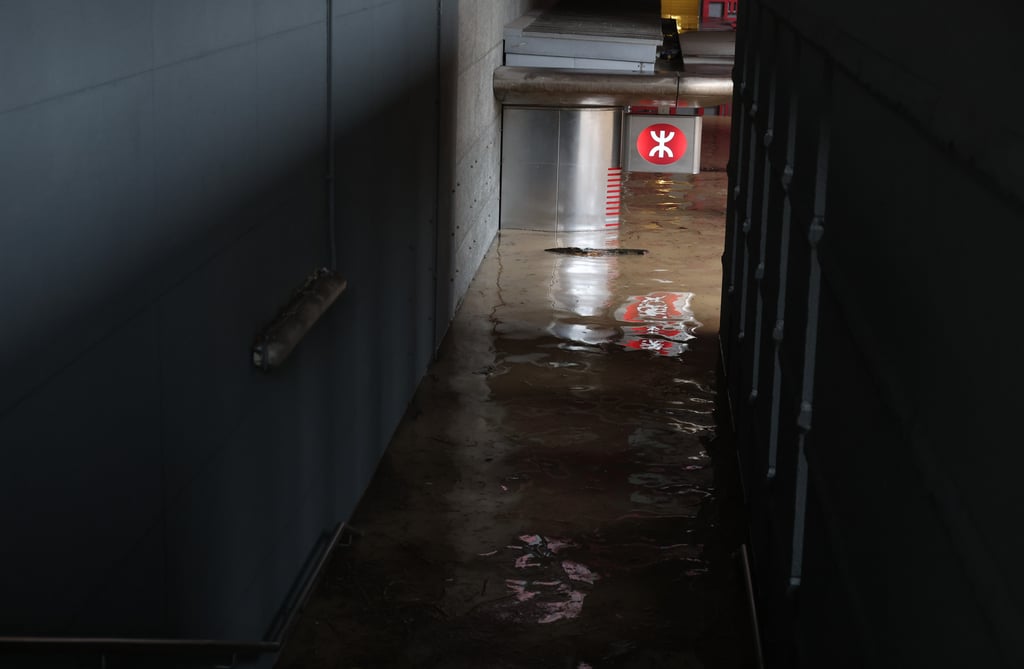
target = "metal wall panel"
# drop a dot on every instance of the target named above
(162, 191)
(879, 496)
(170, 172)
(555, 166)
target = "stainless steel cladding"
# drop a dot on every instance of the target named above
(557, 168)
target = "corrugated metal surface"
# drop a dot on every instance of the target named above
(876, 482)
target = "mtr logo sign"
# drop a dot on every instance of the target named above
(661, 144)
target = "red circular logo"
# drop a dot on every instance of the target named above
(661, 144)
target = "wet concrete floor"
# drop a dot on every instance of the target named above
(558, 495)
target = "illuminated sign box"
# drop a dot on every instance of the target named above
(659, 143)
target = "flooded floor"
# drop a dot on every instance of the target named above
(557, 495)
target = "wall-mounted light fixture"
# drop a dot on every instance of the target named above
(276, 341)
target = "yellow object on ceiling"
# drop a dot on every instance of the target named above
(685, 12)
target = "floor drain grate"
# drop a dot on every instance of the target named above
(577, 251)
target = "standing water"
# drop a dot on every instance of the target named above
(557, 495)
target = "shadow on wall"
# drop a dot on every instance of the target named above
(152, 482)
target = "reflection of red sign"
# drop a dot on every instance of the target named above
(665, 321)
(660, 306)
(661, 144)
(660, 346)
(676, 331)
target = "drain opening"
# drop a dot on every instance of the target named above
(577, 251)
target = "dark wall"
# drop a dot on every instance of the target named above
(869, 269)
(163, 190)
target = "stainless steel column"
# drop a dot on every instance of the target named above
(559, 168)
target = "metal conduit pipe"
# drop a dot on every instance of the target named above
(575, 88)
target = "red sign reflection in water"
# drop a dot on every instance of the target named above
(666, 322)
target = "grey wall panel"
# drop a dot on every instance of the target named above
(242, 504)
(163, 193)
(161, 170)
(351, 6)
(186, 29)
(207, 159)
(55, 47)
(290, 105)
(81, 168)
(386, 163)
(195, 193)
(208, 324)
(81, 485)
(130, 598)
(274, 16)
(276, 560)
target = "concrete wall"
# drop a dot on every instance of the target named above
(163, 189)
(471, 133)
(894, 372)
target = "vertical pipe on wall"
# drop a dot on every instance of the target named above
(815, 232)
(734, 299)
(778, 332)
(744, 238)
(738, 150)
(759, 272)
(329, 177)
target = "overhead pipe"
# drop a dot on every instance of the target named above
(579, 88)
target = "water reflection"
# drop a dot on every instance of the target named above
(581, 288)
(552, 588)
(664, 322)
(581, 296)
(582, 284)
